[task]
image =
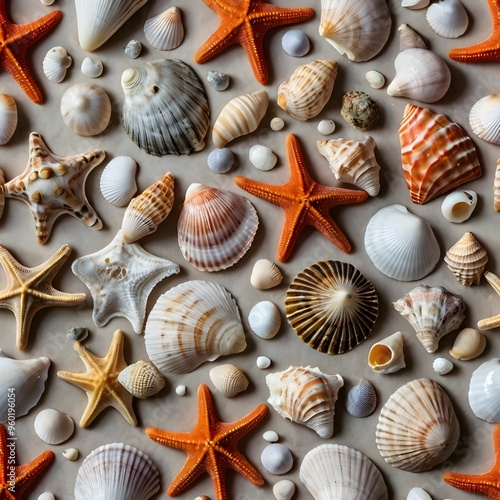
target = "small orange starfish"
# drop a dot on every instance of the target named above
(211, 447)
(15, 480)
(15, 40)
(304, 201)
(246, 22)
(487, 484)
(489, 49)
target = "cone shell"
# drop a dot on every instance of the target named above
(148, 210)
(215, 228)
(469, 344)
(165, 31)
(240, 116)
(141, 379)
(193, 322)
(53, 426)
(306, 396)
(496, 188)
(436, 154)
(417, 428)
(459, 205)
(433, 313)
(361, 399)
(55, 63)
(229, 379)
(308, 90)
(466, 259)
(484, 391)
(387, 356)
(331, 306)
(447, 18)
(8, 118)
(484, 118)
(117, 182)
(265, 274)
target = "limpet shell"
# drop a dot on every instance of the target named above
(458, 205)
(53, 426)
(8, 119)
(141, 379)
(221, 160)
(359, 110)
(55, 63)
(229, 379)
(165, 31)
(265, 275)
(117, 182)
(361, 399)
(469, 344)
(92, 67)
(484, 118)
(265, 319)
(276, 459)
(295, 43)
(262, 157)
(284, 489)
(218, 81)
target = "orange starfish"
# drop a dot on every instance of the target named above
(489, 49)
(15, 480)
(487, 484)
(305, 202)
(211, 446)
(246, 22)
(15, 40)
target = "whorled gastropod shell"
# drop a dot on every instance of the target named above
(141, 379)
(117, 181)
(459, 205)
(8, 118)
(447, 18)
(229, 379)
(55, 64)
(359, 110)
(469, 344)
(165, 31)
(484, 118)
(361, 399)
(387, 356)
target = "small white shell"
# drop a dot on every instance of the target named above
(47, 2)
(8, 118)
(229, 379)
(265, 274)
(265, 319)
(484, 118)
(469, 344)
(133, 49)
(418, 494)
(55, 63)
(92, 67)
(53, 426)
(326, 127)
(70, 454)
(181, 390)
(276, 459)
(484, 391)
(295, 43)
(47, 496)
(447, 18)
(387, 356)
(415, 4)
(375, 79)
(117, 182)
(277, 124)
(459, 205)
(361, 399)
(263, 362)
(442, 366)
(218, 81)
(284, 489)
(221, 160)
(165, 31)
(271, 436)
(262, 157)
(141, 379)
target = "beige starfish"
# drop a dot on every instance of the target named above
(100, 381)
(30, 289)
(494, 321)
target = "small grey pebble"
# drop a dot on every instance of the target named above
(133, 49)
(219, 81)
(78, 333)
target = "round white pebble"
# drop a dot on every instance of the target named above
(326, 127)
(442, 366)
(181, 390)
(263, 362)
(277, 124)
(47, 496)
(270, 436)
(375, 79)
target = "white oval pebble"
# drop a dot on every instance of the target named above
(181, 390)
(326, 127)
(47, 496)
(47, 2)
(263, 362)
(277, 124)
(375, 79)
(418, 494)
(295, 43)
(442, 366)
(92, 67)
(271, 436)
(70, 454)
(133, 49)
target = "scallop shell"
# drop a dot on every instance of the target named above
(417, 427)
(353, 162)
(229, 379)
(240, 116)
(410, 39)
(357, 28)
(496, 188)
(117, 182)
(92, 67)
(295, 43)
(165, 110)
(55, 63)
(141, 379)
(264, 319)
(8, 118)
(359, 110)
(400, 244)
(276, 459)
(442, 366)
(191, 323)
(331, 306)
(53, 426)
(469, 344)
(361, 399)
(86, 109)
(332, 471)
(284, 489)
(433, 313)
(262, 157)
(306, 396)
(133, 49)
(220, 161)
(387, 356)
(147, 211)
(265, 275)
(418, 494)
(484, 118)
(165, 31)
(116, 470)
(467, 259)
(215, 228)
(308, 90)
(447, 18)
(459, 205)
(484, 391)
(436, 154)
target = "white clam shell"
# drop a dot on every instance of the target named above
(117, 181)
(447, 18)
(265, 319)
(92, 67)
(418, 494)
(141, 379)
(484, 391)
(415, 4)
(361, 399)
(387, 356)
(53, 426)
(276, 459)
(459, 205)
(165, 31)
(375, 79)
(55, 63)
(8, 118)
(271, 436)
(221, 160)
(469, 344)
(265, 274)
(71, 454)
(229, 379)
(484, 118)
(262, 157)
(295, 43)
(284, 489)
(442, 366)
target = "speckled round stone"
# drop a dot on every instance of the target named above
(359, 110)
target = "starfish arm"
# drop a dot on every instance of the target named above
(294, 223)
(479, 483)
(242, 466)
(223, 37)
(28, 473)
(489, 323)
(299, 176)
(262, 190)
(329, 197)
(326, 225)
(81, 380)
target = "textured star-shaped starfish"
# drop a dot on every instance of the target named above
(489, 49)
(494, 321)
(304, 201)
(100, 381)
(120, 278)
(24, 475)
(15, 39)
(52, 185)
(487, 484)
(211, 447)
(30, 289)
(246, 22)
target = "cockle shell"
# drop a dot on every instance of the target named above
(191, 323)
(417, 427)
(467, 259)
(165, 31)
(308, 90)
(240, 116)
(265, 319)
(361, 399)
(8, 118)
(148, 210)
(117, 181)
(165, 110)
(442, 366)
(447, 18)
(496, 188)
(92, 67)
(357, 28)
(215, 228)
(359, 110)
(295, 43)
(229, 379)
(387, 356)
(436, 154)
(484, 391)
(220, 161)
(116, 470)
(484, 118)
(418, 494)
(459, 205)
(55, 63)
(433, 313)
(262, 157)
(353, 162)
(410, 39)
(469, 344)
(141, 379)
(265, 274)
(53, 426)
(333, 471)
(284, 489)
(276, 459)
(306, 396)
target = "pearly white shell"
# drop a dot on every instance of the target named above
(8, 118)
(265, 319)
(276, 459)
(55, 63)
(117, 181)
(262, 157)
(326, 127)
(484, 391)
(484, 118)
(229, 379)
(375, 79)
(387, 356)
(447, 18)
(459, 205)
(221, 160)
(265, 274)
(165, 31)
(53, 426)
(418, 494)
(92, 67)
(442, 366)
(284, 489)
(361, 399)
(271, 436)
(295, 43)
(469, 344)
(263, 362)
(70, 454)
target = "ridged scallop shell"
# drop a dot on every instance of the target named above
(447, 18)
(147, 211)
(215, 228)
(417, 427)
(459, 205)
(334, 471)
(410, 39)
(308, 90)
(55, 63)
(484, 118)
(229, 379)
(8, 118)
(165, 31)
(421, 75)
(469, 344)
(240, 116)
(387, 356)
(284, 490)
(295, 43)
(86, 109)
(467, 259)
(361, 399)
(400, 244)
(191, 323)
(117, 181)
(141, 379)
(276, 459)
(265, 275)
(436, 154)
(306, 396)
(433, 312)
(496, 188)
(116, 470)
(357, 28)
(264, 319)
(92, 67)
(165, 110)
(484, 391)
(331, 306)
(53, 426)
(353, 162)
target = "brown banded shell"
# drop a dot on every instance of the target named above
(331, 306)
(229, 379)
(141, 379)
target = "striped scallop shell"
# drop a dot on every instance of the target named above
(191, 323)
(484, 118)
(118, 180)
(165, 31)
(8, 118)
(361, 399)
(215, 228)
(331, 306)
(417, 427)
